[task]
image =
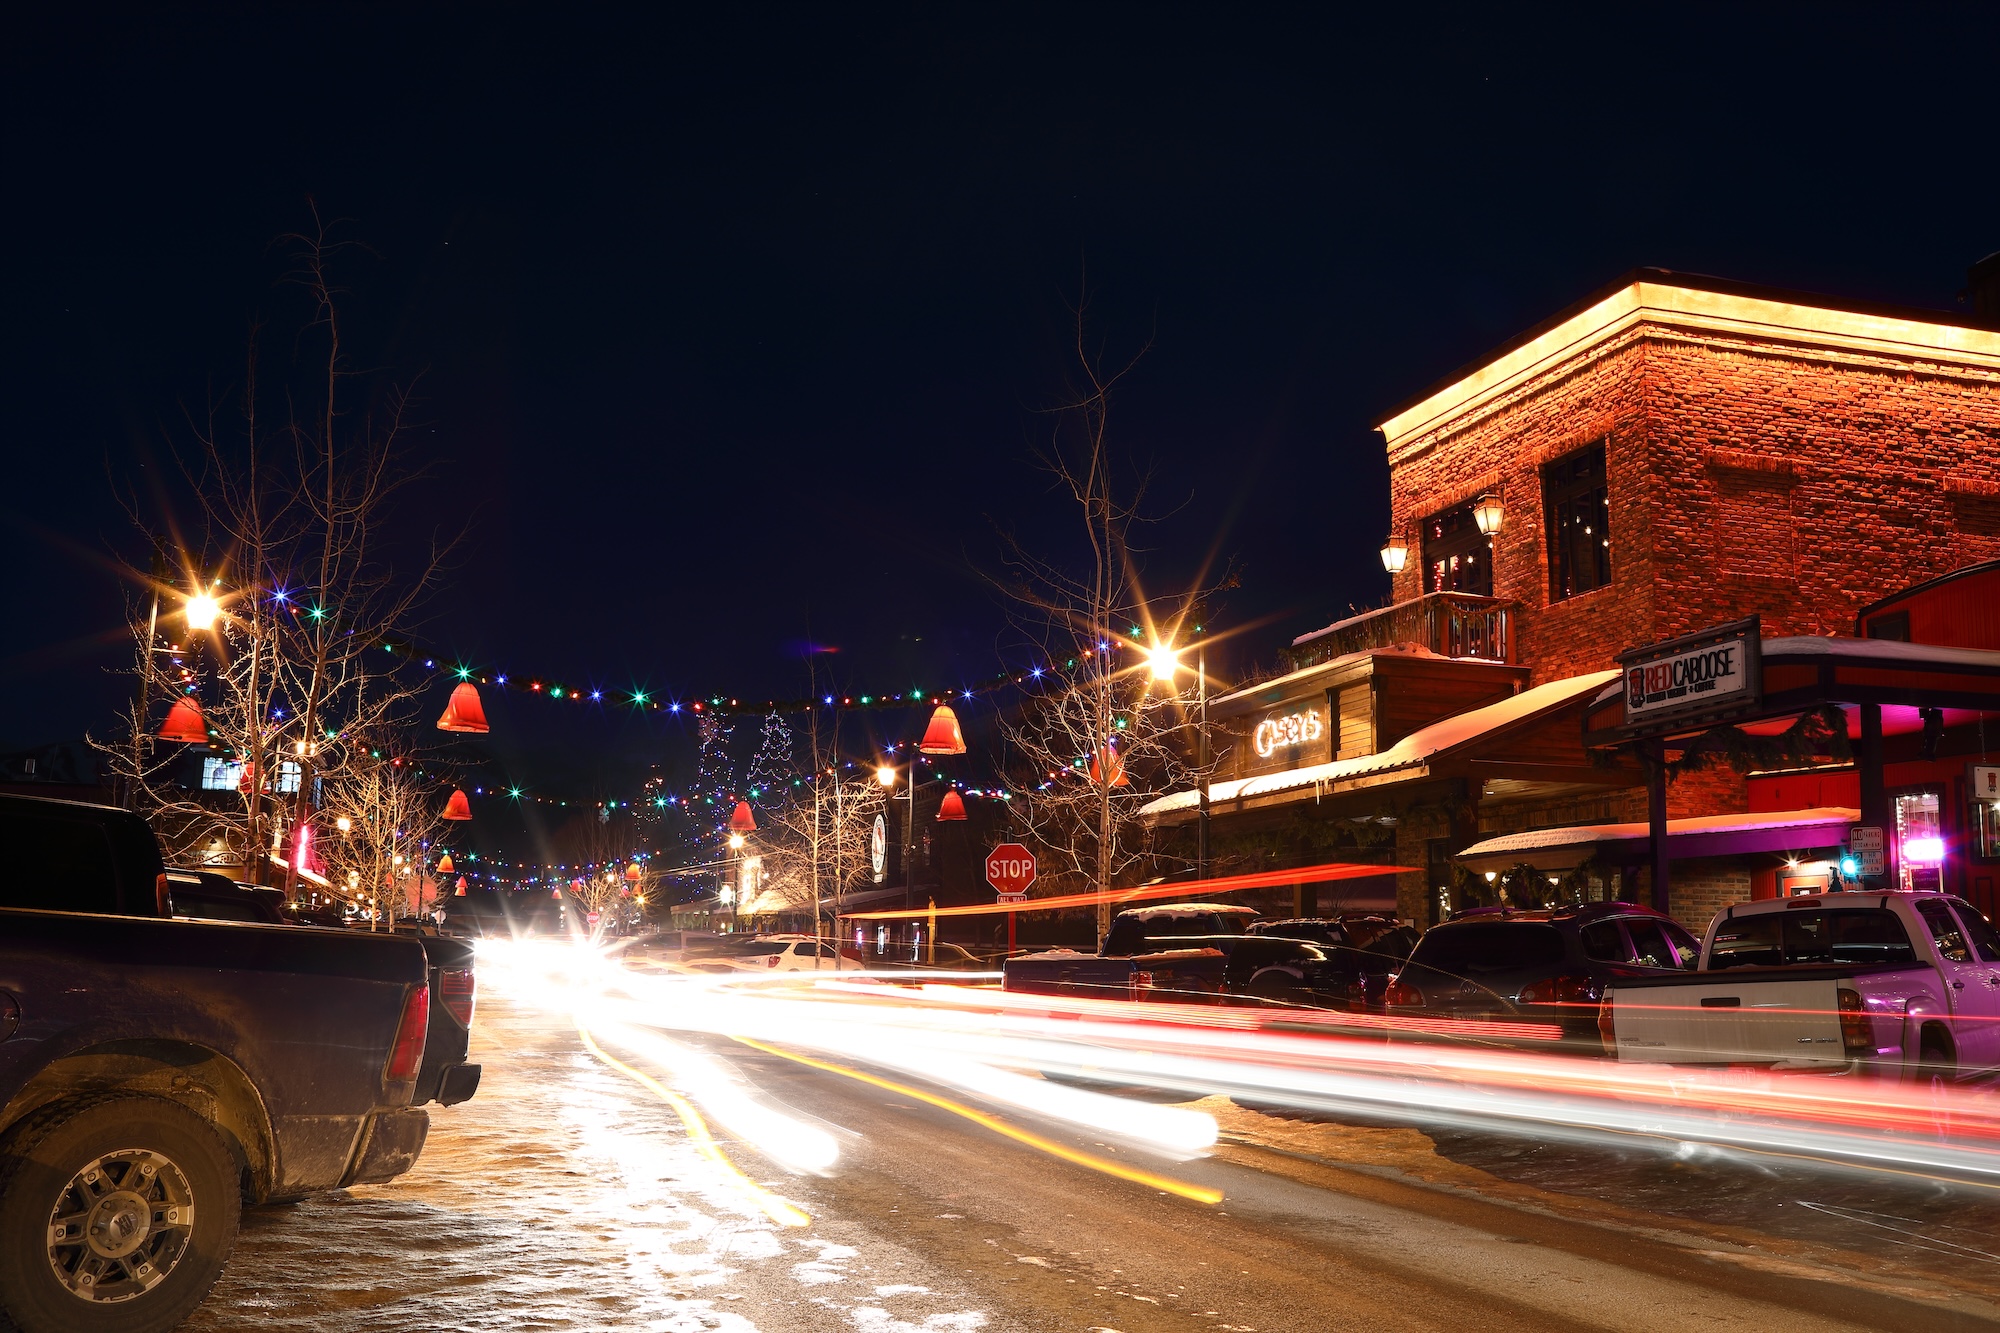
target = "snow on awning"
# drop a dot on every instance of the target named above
(1709, 835)
(1411, 754)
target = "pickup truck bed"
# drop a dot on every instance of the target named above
(1765, 1015)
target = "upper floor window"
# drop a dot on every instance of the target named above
(1578, 504)
(1457, 556)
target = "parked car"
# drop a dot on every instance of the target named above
(1319, 962)
(1548, 967)
(207, 896)
(777, 953)
(157, 1072)
(939, 957)
(1177, 952)
(1905, 984)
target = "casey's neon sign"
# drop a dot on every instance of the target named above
(1293, 729)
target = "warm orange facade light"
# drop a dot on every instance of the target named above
(942, 736)
(1487, 513)
(1395, 554)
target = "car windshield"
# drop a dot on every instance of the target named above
(1489, 946)
(1979, 930)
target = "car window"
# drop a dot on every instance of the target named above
(1748, 941)
(1650, 946)
(1846, 935)
(56, 864)
(1945, 931)
(1489, 946)
(213, 909)
(1979, 931)
(763, 948)
(1603, 942)
(1686, 945)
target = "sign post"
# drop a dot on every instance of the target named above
(1010, 869)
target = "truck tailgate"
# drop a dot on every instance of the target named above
(1746, 1021)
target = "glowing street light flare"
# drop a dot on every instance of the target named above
(1164, 659)
(201, 611)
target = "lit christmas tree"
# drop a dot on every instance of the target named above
(715, 773)
(774, 766)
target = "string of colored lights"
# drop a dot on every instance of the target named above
(551, 687)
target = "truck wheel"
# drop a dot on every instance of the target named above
(116, 1213)
(1274, 986)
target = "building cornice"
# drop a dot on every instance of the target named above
(1702, 307)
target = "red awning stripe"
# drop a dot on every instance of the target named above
(1263, 879)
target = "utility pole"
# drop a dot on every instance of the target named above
(1201, 759)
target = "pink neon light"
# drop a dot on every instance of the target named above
(1923, 851)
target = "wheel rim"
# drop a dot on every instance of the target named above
(120, 1226)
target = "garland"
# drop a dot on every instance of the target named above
(1820, 732)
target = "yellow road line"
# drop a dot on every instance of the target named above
(774, 1207)
(1199, 1193)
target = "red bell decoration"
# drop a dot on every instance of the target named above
(741, 820)
(951, 807)
(464, 712)
(184, 723)
(445, 867)
(461, 888)
(942, 736)
(1114, 765)
(556, 894)
(457, 807)
(633, 873)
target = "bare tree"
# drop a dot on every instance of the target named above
(385, 818)
(1099, 739)
(298, 666)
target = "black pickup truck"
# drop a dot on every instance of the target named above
(156, 1074)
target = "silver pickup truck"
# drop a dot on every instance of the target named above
(1902, 984)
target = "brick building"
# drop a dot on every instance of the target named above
(1671, 453)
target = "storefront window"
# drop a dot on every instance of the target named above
(1577, 500)
(1920, 841)
(1457, 556)
(1985, 823)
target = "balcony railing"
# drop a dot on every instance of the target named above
(1450, 624)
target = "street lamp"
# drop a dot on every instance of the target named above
(201, 611)
(1165, 660)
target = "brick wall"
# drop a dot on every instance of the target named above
(1744, 477)
(1701, 888)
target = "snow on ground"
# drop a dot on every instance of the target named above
(562, 1197)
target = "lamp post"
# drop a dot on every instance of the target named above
(1165, 660)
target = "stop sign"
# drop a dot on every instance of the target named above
(1010, 868)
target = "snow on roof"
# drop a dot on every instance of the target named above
(1578, 835)
(1332, 663)
(1365, 615)
(1409, 752)
(1886, 651)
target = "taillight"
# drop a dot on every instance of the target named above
(455, 989)
(407, 1055)
(1571, 989)
(163, 896)
(772, 961)
(1857, 1030)
(1607, 1027)
(1142, 985)
(1402, 994)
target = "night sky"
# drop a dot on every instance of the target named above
(734, 332)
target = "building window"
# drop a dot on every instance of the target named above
(1457, 556)
(227, 775)
(1578, 504)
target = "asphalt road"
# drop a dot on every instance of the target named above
(567, 1196)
